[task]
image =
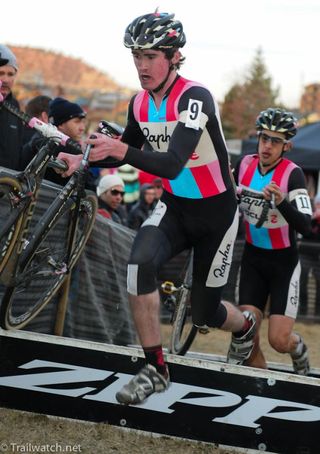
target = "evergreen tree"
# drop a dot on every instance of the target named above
(245, 100)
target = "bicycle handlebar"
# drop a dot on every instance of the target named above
(112, 130)
(47, 130)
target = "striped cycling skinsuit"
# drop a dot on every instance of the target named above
(270, 263)
(182, 142)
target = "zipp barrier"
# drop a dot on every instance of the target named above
(264, 410)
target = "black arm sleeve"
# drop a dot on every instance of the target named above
(296, 219)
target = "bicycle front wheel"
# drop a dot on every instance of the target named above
(46, 265)
(10, 217)
(183, 330)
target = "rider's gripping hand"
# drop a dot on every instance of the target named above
(273, 190)
(73, 161)
(104, 146)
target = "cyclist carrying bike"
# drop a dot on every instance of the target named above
(270, 265)
(177, 123)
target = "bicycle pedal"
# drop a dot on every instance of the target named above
(168, 287)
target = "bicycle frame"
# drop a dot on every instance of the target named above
(75, 185)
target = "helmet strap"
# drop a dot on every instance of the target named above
(162, 84)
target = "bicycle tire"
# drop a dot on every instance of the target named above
(44, 269)
(10, 224)
(183, 330)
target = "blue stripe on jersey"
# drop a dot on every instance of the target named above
(184, 185)
(156, 115)
(260, 237)
(258, 181)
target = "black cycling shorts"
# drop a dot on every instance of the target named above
(209, 226)
(274, 273)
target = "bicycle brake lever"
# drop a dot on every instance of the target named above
(110, 129)
(58, 164)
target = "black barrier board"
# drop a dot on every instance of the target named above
(207, 401)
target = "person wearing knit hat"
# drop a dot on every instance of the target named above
(110, 192)
(11, 128)
(8, 70)
(68, 116)
(7, 57)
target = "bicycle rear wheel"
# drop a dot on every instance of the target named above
(10, 217)
(45, 268)
(183, 330)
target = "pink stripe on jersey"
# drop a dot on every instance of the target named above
(205, 181)
(166, 185)
(247, 169)
(279, 237)
(175, 95)
(215, 170)
(141, 106)
(188, 84)
(137, 104)
(282, 174)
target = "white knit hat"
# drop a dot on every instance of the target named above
(107, 182)
(7, 57)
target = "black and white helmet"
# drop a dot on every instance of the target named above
(275, 119)
(154, 31)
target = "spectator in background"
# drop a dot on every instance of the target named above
(310, 260)
(37, 107)
(70, 119)
(145, 177)
(142, 209)
(11, 128)
(129, 176)
(110, 192)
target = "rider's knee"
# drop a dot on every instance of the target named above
(141, 279)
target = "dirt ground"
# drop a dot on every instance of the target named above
(26, 432)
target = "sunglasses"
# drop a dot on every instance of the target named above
(273, 140)
(116, 192)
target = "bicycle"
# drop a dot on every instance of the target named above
(40, 260)
(18, 193)
(178, 300)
